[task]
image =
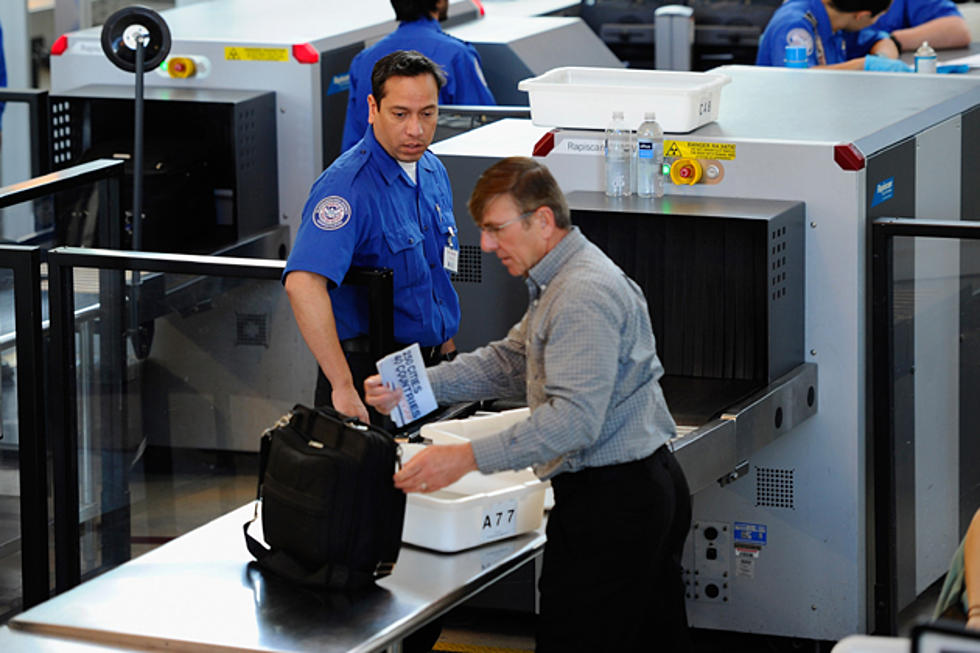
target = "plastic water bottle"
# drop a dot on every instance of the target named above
(925, 59)
(649, 157)
(796, 57)
(617, 151)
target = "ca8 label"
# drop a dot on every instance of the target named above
(499, 520)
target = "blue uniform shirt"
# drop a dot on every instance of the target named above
(900, 15)
(791, 26)
(365, 211)
(459, 61)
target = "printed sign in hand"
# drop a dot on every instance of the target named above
(404, 369)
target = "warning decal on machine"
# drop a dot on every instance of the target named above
(746, 532)
(698, 150)
(256, 54)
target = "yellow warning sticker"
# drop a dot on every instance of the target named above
(697, 150)
(256, 54)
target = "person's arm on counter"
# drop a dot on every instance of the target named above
(942, 33)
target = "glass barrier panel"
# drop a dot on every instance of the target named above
(936, 380)
(11, 583)
(177, 378)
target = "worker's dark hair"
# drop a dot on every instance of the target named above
(403, 63)
(528, 182)
(874, 6)
(409, 10)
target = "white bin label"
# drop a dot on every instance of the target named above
(499, 520)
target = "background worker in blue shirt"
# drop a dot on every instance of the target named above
(386, 202)
(910, 22)
(419, 30)
(819, 26)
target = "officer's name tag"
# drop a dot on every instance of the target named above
(450, 259)
(499, 520)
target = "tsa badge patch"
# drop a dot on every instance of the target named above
(331, 213)
(800, 36)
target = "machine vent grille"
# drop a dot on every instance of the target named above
(246, 140)
(61, 133)
(470, 265)
(774, 488)
(777, 251)
(252, 329)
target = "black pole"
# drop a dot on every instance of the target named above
(138, 146)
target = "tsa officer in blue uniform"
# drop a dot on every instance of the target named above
(819, 27)
(386, 202)
(418, 30)
(910, 22)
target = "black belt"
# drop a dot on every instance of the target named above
(430, 354)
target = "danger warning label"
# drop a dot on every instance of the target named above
(256, 54)
(698, 150)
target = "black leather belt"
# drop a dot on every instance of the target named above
(362, 345)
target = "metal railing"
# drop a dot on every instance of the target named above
(25, 262)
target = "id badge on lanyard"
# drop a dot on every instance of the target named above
(450, 255)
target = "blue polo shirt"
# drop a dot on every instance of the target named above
(365, 211)
(900, 15)
(459, 61)
(790, 26)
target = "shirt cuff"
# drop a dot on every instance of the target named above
(490, 453)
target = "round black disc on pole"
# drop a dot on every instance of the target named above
(123, 28)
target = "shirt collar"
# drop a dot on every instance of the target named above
(387, 164)
(425, 23)
(539, 276)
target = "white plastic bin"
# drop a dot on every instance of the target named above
(584, 98)
(478, 508)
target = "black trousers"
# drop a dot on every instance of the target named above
(611, 578)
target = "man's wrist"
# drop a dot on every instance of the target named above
(898, 44)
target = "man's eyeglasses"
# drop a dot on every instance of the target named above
(492, 230)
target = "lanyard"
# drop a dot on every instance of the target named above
(821, 55)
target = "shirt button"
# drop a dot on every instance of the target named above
(411, 241)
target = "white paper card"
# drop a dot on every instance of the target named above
(404, 369)
(499, 520)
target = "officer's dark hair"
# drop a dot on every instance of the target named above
(411, 10)
(403, 63)
(874, 6)
(528, 182)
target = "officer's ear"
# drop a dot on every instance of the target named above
(372, 108)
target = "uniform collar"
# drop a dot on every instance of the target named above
(819, 12)
(387, 164)
(422, 23)
(539, 276)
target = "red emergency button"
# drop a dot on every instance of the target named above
(686, 171)
(181, 67)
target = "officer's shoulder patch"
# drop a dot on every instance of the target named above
(331, 213)
(800, 36)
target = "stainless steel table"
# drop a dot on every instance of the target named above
(199, 592)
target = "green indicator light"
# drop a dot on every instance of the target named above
(163, 64)
(666, 168)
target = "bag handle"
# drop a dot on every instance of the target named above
(329, 575)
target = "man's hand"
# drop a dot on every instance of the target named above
(346, 401)
(380, 397)
(886, 65)
(435, 467)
